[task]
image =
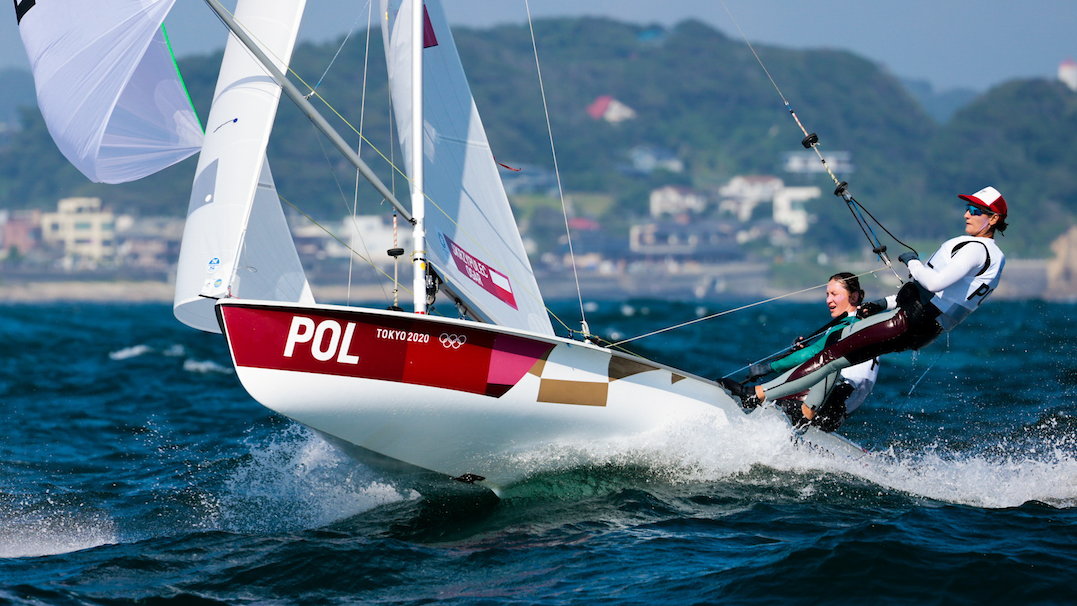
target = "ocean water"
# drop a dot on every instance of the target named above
(135, 469)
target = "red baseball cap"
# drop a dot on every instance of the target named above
(988, 199)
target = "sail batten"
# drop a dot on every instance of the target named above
(472, 238)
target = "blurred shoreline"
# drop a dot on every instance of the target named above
(1023, 279)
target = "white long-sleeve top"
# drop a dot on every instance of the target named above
(862, 377)
(961, 273)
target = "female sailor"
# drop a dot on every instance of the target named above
(942, 293)
(830, 401)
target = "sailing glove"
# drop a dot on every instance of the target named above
(905, 257)
(759, 370)
(870, 308)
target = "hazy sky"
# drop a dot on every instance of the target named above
(950, 43)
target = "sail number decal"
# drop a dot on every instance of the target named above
(21, 6)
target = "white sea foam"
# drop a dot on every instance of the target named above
(298, 480)
(130, 352)
(25, 535)
(205, 366)
(710, 448)
(983, 481)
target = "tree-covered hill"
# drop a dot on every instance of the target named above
(695, 91)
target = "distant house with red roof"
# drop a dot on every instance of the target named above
(609, 109)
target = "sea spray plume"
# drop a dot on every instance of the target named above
(48, 528)
(714, 450)
(698, 449)
(997, 478)
(293, 479)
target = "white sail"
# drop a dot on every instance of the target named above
(236, 241)
(472, 237)
(107, 85)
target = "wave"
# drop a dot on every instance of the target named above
(45, 532)
(130, 352)
(296, 480)
(713, 449)
(205, 366)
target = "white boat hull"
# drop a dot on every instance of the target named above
(459, 398)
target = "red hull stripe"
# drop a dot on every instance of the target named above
(370, 346)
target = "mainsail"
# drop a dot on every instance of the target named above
(107, 85)
(236, 241)
(472, 237)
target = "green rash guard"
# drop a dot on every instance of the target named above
(799, 356)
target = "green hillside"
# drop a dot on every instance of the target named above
(696, 92)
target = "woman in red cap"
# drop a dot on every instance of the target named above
(942, 292)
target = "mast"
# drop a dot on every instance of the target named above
(418, 204)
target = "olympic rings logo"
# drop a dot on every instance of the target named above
(449, 341)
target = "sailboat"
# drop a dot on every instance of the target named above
(461, 398)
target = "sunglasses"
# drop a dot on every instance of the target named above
(976, 211)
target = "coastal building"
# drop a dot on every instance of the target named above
(790, 207)
(609, 109)
(85, 231)
(1062, 270)
(645, 159)
(149, 243)
(744, 193)
(369, 236)
(806, 162)
(1067, 73)
(675, 200)
(708, 241)
(20, 232)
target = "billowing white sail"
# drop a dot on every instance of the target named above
(107, 85)
(472, 237)
(236, 241)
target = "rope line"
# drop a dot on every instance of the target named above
(342, 45)
(359, 150)
(395, 169)
(332, 235)
(734, 310)
(811, 141)
(556, 170)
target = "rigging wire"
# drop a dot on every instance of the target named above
(359, 146)
(811, 141)
(924, 374)
(557, 173)
(394, 170)
(392, 185)
(351, 31)
(930, 366)
(801, 342)
(397, 170)
(390, 161)
(368, 256)
(734, 310)
(334, 236)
